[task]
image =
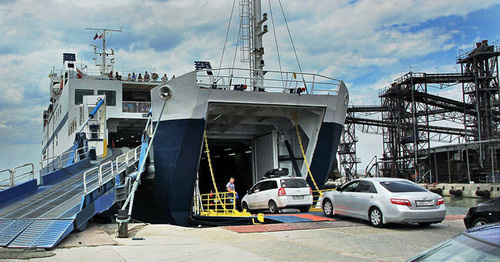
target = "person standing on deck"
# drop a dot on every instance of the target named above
(230, 188)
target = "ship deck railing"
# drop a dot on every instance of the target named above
(127, 159)
(107, 171)
(62, 160)
(136, 106)
(274, 81)
(26, 172)
(239, 78)
(11, 177)
(96, 74)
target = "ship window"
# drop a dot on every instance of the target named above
(72, 127)
(81, 114)
(110, 97)
(79, 93)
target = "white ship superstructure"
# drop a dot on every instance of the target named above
(74, 93)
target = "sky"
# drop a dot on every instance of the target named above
(366, 43)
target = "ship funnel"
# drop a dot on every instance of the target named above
(165, 92)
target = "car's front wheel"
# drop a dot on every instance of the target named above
(328, 208)
(244, 206)
(480, 221)
(273, 208)
(375, 216)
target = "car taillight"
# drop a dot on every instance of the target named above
(282, 192)
(440, 201)
(310, 191)
(403, 202)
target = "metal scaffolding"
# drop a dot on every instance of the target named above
(347, 149)
(407, 111)
(483, 94)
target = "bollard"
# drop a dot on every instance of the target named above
(483, 193)
(436, 190)
(456, 192)
(122, 220)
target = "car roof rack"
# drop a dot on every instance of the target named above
(277, 172)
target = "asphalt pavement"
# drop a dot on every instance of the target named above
(342, 240)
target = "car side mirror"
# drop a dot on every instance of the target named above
(249, 192)
(339, 188)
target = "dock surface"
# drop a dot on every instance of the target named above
(341, 240)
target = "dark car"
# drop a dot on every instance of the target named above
(476, 244)
(482, 214)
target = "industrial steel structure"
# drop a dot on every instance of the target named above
(409, 118)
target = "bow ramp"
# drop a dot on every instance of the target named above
(42, 215)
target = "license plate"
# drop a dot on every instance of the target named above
(424, 203)
(298, 197)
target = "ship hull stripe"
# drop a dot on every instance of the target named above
(59, 127)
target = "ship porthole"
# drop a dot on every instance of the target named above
(165, 92)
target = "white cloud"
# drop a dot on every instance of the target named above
(371, 39)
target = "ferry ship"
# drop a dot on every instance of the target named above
(253, 119)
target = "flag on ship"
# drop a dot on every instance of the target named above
(96, 36)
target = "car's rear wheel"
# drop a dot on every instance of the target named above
(375, 216)
(273, 208)
(480, 221)
(328, 208)
(304, 209)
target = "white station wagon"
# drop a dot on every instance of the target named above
(277, 193)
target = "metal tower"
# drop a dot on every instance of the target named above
(407, 111)
(347, 149)
(251, 32)
(483, 95)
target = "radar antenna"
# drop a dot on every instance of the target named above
(104, 64)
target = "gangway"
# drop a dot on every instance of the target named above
(40, 215)
(47, 213)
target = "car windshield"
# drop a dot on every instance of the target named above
(460, 248)
(293, 183)
(401, 186)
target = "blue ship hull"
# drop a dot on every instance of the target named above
(168, 197)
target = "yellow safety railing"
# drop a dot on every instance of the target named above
(223, 204)
(317, 198)
(220, 204)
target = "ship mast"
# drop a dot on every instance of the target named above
(103, 65)
(251, 36)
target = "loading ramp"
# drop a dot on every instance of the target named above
(45, 216)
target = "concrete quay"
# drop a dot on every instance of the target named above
(342, 240)
(467, 190)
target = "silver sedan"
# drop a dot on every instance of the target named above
(385, 200)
